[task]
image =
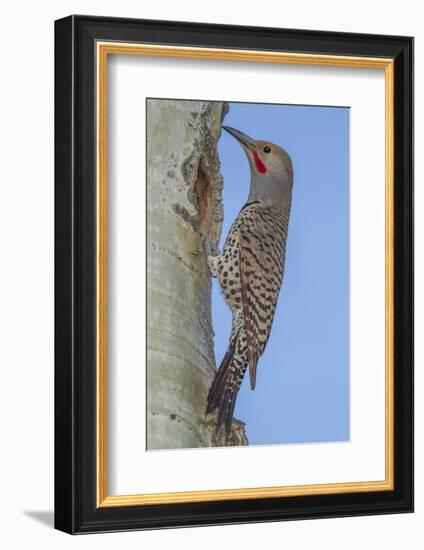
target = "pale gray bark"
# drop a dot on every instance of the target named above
(184, 202)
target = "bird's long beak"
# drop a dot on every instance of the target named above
(245, 140)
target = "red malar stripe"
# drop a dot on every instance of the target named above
(260, 166)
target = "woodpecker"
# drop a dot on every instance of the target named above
(250, 269)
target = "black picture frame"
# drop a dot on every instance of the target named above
(76, 510)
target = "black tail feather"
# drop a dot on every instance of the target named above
(215, 393)
(223, 392)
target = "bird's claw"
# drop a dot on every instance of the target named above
(206, 248)
(201, 247)
(207, 245)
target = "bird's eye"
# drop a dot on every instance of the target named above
(267, 149)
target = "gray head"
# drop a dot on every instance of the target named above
(271, 170)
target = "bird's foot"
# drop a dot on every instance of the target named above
(201, 246)
(206, 248)
(211, 259)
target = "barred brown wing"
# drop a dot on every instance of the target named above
(262, 238)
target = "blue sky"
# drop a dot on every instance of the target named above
(302, 389)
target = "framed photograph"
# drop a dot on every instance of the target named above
(233, 212)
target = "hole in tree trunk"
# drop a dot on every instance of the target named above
(202, 190)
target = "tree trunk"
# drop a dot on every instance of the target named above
(184, 187)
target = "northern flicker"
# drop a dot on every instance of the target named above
(250, 269)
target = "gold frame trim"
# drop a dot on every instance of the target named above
(103, 49)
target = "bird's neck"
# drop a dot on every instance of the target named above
(270, 192)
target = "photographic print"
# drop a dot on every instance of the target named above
(247, 274)
(233, 265)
